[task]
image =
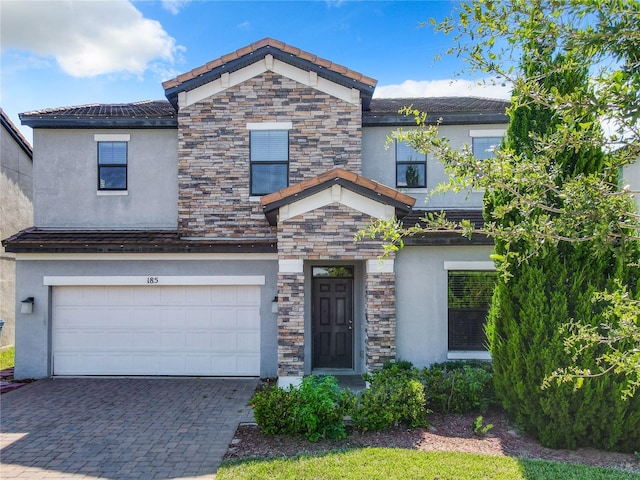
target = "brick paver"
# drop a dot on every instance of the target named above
(120, 428)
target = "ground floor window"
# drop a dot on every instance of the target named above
(469, 299)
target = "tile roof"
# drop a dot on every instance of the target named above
(446, 237)
(447, 110)
(15, 133)
(439, 104)
(271, 202)
(148, 112)
(34, 240)
(268, 42)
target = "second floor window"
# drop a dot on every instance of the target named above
(411, 167)
(483, 147)
(112, 165)
(269, 151)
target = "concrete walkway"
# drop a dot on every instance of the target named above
(120, 428)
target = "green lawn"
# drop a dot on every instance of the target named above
(385, 464)
(7, 358)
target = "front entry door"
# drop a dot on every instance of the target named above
(332, 322)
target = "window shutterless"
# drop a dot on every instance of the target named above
(112, 165)
(411, 167)
(269, 159)
(469, 299)
(484, 147)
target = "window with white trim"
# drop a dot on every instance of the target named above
(484, 147)
(411, 167)
(112, 165)
(469, 299)
(269, 159)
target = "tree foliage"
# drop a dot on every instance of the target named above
(545, 201)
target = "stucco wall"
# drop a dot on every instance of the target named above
(421, 292)
(65, 181)
(16, 213)
(379, 164)
(33, 331)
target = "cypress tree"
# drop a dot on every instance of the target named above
(547, 291)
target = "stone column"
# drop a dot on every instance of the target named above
(380, 329)
(290, 322)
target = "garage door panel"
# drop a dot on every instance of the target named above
(172, 296)
(197, 318)
(177, 330)
(119, 296)
(247, 319)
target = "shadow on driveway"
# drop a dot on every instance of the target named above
(121, 428)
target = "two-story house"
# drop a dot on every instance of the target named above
(213, 233)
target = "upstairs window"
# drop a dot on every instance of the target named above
(484, 147)
(269, 150)
(411, 167)
(112, 165)
(469, 299)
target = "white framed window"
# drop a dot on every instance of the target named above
(469, 291)
(485, 142)
(269, 157)
(411, 167)
(113, 162)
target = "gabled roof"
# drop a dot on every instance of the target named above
(15, 133)
(145, 114)
(451, 110)
(368, 188)
(281, 51)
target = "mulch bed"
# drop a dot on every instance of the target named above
(447, 432)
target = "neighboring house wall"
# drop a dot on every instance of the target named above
(16, 213)
(379, 164)
(421, 292)
(214, 166)
(33, 360)
(73, 201)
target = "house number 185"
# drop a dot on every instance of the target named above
(152, 280)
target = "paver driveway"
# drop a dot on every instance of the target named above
(120, 428)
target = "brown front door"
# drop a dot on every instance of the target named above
(332, 322)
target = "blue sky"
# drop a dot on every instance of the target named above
(63, 52)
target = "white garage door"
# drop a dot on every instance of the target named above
(156, 330)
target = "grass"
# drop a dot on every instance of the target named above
(7, 358)
(389, 464)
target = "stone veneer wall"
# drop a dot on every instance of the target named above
(213, 150)
(327, 234)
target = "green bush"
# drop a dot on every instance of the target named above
(527, 344)
(321, 407)
(395, 396)
(459, 386)
(316, 409)
(273, 409)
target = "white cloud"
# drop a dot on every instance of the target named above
(445, 88)
(174, 6)
(86, 38)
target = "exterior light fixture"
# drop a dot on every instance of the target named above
(274, 305)
(27, 305)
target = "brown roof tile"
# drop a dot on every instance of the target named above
(269, 42)
(332, 175)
